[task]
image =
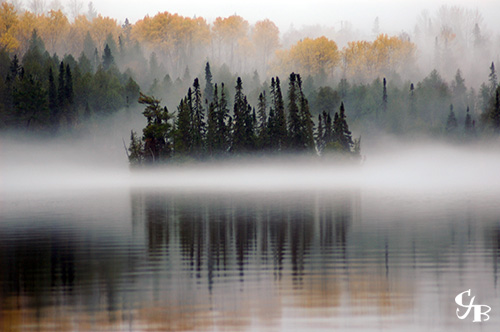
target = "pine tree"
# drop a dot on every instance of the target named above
(14, 68)
(224, 121)
(157, 134)
(211, 141)
(209, 88)
(61, 93)
(135, 150)
(68, 86)
(294, 125)
(341, 130)
(263, 125)
(240, 110)
(183, 139)
(495, 111)
(307, 124)
(384, 96)
(320, 134)
(107, 58)
(53, 102)
(493, 79)
(412, 102)
(451, 122)
(468, 123)
(279, 106)
(198, 120)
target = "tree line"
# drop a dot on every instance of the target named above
(204, 126)
(46, 94)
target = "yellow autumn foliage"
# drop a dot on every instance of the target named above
(364, 60)
(309, 57)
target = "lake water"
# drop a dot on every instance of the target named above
(114, 251)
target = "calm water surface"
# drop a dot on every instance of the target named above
(138, 259)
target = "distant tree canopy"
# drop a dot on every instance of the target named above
(105, 68)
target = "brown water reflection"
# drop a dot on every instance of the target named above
(242, 261)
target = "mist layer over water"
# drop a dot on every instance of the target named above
(52, 166)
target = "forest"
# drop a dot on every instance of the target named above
(214, 88)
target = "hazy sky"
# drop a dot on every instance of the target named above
(394, 15)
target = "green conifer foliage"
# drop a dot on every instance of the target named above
(157, 133)
(263, 130)
(197, 122)
(107, 58)
(208, 93)
(451, 122)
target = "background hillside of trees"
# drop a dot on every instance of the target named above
(58, 73)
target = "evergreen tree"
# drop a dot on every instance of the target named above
(320, 134)
(107, 58)
(30, 103)
(198, 118)
(307, 124)
(183, 139)
(61, 93)
(211, 141)
(279, 135)
(135, 150)
(53, 102)
(451, 122)
(15, 68)
(493, 79)
(263, 125)
(224, 122)
(209, 88)
(468, 126)
(294, 125)
(240, 111)
(384, 96)
(68, 86)
(413, 108)
(157, 133)
(343, 136)
(495, 111)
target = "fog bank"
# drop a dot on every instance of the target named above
(72, 166)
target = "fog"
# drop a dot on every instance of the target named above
(60, 166)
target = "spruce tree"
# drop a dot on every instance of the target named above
(412, 101)
(294, 125)
(224, 121)
(61, 93)
(495, 111)
(211, 141)
(307, 124)
(468, 123)
(263, 126)
(209, 88)
(384, 96)
(198, 120)
(240, 110)
(183, 140)
(320, 134)
(341, 130)
(279, 106)
(135, 150)
(53, 102)
(68, 86)
(157, 134)
(492, 77)
(107, 58)
(451, 122)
